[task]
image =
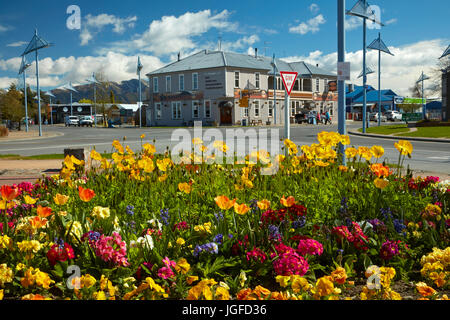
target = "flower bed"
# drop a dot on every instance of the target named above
(141, 227)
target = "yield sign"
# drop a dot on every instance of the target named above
(288, 80)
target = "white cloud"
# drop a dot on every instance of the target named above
(240, 43)
(398, 72)
(312, 25)
(17, 44)
(314, 8)
(94, 24)
(4, 28)
(391, 21)
(353, 23)
(173, 34)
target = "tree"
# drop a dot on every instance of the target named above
(12, 105)
(436, 75)
(103, 97)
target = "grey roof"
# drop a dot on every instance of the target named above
(215, 59)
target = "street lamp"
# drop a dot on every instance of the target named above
(71, 89)
(35, 44)
(422, 78)
(23, 67)
(94, 82)
(361, 10)
(139, 68)
(368, 71)
(446, 52)
(50, 95)
(379, 45)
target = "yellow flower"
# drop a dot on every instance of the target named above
(191, 279)
(5, 242)
(43, 279)
(324, 286)
(149, 148)
(60, 199)
(381, 183)
(116, 144)
(365, 153)
(87, 281)
(283, 280)
(241, 209)
(224, 203)
(263, 204)
(289, 202)
(404, 147)
(6, 274)
(197, 141)
(205, 228)
(182, 266)
(29, 200)
(96, 156)
(185, 187)
(377, 151)
(180, 242)
(222, 293)
(162, 178)
(99, 295)
(142, 136)
(1, 294)
(351, 153)
(100, 213)
(300, 284)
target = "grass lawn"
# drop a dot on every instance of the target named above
(429, 132)
(387, 130)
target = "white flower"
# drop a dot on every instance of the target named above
(155, 223)
(145, 242)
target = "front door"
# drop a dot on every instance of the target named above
(226, 116)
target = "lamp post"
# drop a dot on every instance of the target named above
(274, 65)
(361, 10)
(50, 95)
(139, 68)
(379, 45)
(422, 79)
(35, 44)
(94, 82)
(23, 68)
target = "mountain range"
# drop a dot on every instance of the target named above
(125, 92)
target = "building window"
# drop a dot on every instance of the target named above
(245, 112)
(256, 103)
(168, 84)
(155, 85)
(158, 111)
(181, 82)
(176, 110)
(317, 85)
(325, 84)
(257, 80)
(195, 81)
(236, 79)
(270, 108)
(195, 110)
(293, 108)
(207, 109)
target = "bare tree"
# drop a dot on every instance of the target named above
(436, 75)
(103, 93)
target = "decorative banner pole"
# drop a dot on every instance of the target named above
(95, 82)
(23, 68)
(361, 9)
(35, 44)
(341, 82)
(274, 89)
(422, 78)
(49, 94)
(71, 89)
(379, 45)
(139, 68)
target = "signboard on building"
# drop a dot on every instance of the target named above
(213, 81)
(343, 71)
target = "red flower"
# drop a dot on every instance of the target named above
(9, 193)
(86, 195)
(61, 253)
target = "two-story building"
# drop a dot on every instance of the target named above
(209, 85)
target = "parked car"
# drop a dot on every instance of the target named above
(301, 118)
(86, 121)
(394, 116)
(374, 117)
(72, 121)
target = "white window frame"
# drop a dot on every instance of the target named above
(195, 81)
(155, 85)
(176, 106)
(245, 112)
(256, 108)
(317, 85)
(257, 80)
(325, 82)
(207, 104)
(195, 106)
(168, 83)
(158, 111)
(270, 111)
(181, 82)
(237, 81)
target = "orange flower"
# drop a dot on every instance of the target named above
(224, 203)
(37, 222)
(424, 290)
(86, 195)
(241, 208)
(9, 193)
(339, 275)
(380, 170)
(44, 212)
(263, 204)
(185, 187)
(289, 202)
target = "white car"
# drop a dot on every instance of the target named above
(72, 121)
(86, 121)
(394, 116)
(374, 117)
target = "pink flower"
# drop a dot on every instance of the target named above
(165, 273)
(310, 246)
(257, 255)
(169, 263)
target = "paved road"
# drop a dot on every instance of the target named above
(427, 156)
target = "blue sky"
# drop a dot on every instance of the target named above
(114, 33)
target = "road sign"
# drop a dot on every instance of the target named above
(409, 117)
(343, 71)
(289, 80)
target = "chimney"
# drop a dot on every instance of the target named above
(179, 56)
(317, 65)
(256, 53)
